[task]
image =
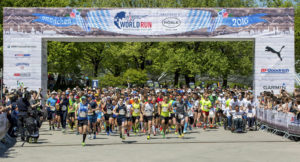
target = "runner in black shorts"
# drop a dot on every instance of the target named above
(120, 112)
(108, 111)
(128, 122)
(148, 109)
(181, 112)
(81, 114)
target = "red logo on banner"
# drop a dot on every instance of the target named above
(263, 70)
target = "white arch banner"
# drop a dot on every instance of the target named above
(26, 31)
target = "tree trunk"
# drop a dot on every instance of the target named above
(96, 66)
(187, 80)
(224, 81)
(176, 78)
(57, 84)
(192, 79)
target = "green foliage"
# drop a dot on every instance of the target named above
(110, 80)
(134, 76)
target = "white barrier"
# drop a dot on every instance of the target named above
(3, 125)
(286, 122)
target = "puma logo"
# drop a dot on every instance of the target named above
(270, 49)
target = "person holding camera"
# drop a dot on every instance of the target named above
(23, 106)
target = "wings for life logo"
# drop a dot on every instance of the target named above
(124, 20)
(22, 65)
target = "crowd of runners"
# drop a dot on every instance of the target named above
(138, 111)
(146, 111)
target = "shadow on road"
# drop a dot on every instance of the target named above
(155, 143)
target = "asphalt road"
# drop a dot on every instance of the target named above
(210, 145)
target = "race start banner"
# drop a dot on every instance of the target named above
(27, 30)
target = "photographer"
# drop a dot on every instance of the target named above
(23, 106)
(36, 107)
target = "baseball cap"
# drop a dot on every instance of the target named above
(83, 98)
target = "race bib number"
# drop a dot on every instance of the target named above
(122, 112)
(148, 113)
(239, 116)
(164, 109)
(109, 111)
(250, 115)
(136, 111)
(64, 108)
(180, 116)
(82, 114)
(52, 108)
(211, 113)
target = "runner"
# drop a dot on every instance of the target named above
(181, 113)
(129, 110)
(206, 105)
(120, 112)
(155, 117)
(92, 117)
(164, 112)
(50, 104)
(136, 114)
(108, 110)
(98, 113)
(148, 109)
(63, 110)
(81, 115)
(71, 113)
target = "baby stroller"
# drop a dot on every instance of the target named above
(32, 127)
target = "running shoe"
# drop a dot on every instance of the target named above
(164, 136)
(204, 127)
(176, 132)
(89, 136)
(184, 131)
(107, 133)
(148, 137)
(127, 134)
(83, 143)
(120, 135)
(123, 137)
(64, 130)
(190, 127)
(94, 136)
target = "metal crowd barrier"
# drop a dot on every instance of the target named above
(275, 121)
(3, 125)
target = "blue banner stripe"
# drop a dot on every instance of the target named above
(188, 17)
(206, 25)
(93, 22)
(192, 20)
(105, 20)
(205, 17)
(94, 16)
(90, 21)
(199, 17)
(100, 18)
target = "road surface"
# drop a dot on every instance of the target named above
(210, 145)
